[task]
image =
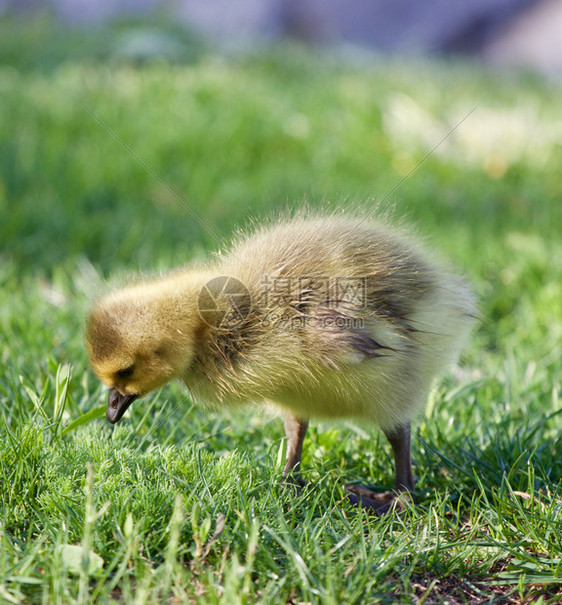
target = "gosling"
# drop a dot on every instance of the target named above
(323, 316)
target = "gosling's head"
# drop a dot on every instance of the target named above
(138, 340)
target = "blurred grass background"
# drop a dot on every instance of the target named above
(106, 136)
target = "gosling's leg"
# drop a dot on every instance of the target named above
(399, 439)
(295, 430)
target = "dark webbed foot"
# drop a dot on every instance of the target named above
(377, 503)
(293, 481)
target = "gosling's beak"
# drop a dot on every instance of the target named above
(117, 405)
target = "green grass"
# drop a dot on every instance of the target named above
(180, 504)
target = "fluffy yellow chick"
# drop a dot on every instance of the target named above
(323, 316)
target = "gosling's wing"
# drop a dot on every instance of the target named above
(334, 337)
(360, 341)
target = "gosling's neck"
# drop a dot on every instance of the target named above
(172, 308)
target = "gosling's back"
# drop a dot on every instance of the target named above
(348, 318)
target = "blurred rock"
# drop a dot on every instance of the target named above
(504, 32)
(533, 40)
(231, 19)
(406, 26)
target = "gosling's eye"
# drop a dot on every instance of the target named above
(125, 372)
